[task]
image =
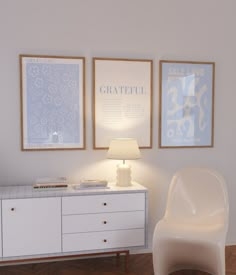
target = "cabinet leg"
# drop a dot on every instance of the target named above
(127, 261)
(117, 259)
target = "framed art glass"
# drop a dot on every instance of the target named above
(122, 92)
(186, 104)
(52, 102)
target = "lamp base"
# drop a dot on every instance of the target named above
(123, 175)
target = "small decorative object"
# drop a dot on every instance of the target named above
(186, 104)
(123, 149)
(52, 102)
(122, 95)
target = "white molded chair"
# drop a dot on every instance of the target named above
(192, 233)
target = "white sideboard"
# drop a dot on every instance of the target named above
(46, 224)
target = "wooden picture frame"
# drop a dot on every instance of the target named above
(122, 101)
(186, 118)
(52, 102)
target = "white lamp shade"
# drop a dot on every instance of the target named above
(123, 148)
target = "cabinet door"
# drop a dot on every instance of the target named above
(31, 226)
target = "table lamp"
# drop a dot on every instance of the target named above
(123, 149)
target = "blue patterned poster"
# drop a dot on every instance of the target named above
(186, 95)
(52, 92)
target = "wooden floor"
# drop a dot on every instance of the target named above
(140, 264)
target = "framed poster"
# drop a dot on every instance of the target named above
(52, 102)
(122, 92)
(186, 104)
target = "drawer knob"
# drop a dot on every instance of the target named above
(13, 209)
(105, 222)
(104, 203)
(104, 240)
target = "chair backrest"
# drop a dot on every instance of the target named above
(198, 196)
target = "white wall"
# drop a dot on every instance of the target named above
(202, 30)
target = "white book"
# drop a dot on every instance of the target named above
(93, 183)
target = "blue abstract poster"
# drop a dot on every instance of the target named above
(187, 92)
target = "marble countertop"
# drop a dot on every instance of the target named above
(27, 191)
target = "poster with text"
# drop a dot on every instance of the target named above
(122, 101)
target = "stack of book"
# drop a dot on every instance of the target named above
(91, 183)
(51, 183)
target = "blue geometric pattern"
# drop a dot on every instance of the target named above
(53, 102)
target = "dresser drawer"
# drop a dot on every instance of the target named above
(103, 221)
(103, 203)
(103, 240)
